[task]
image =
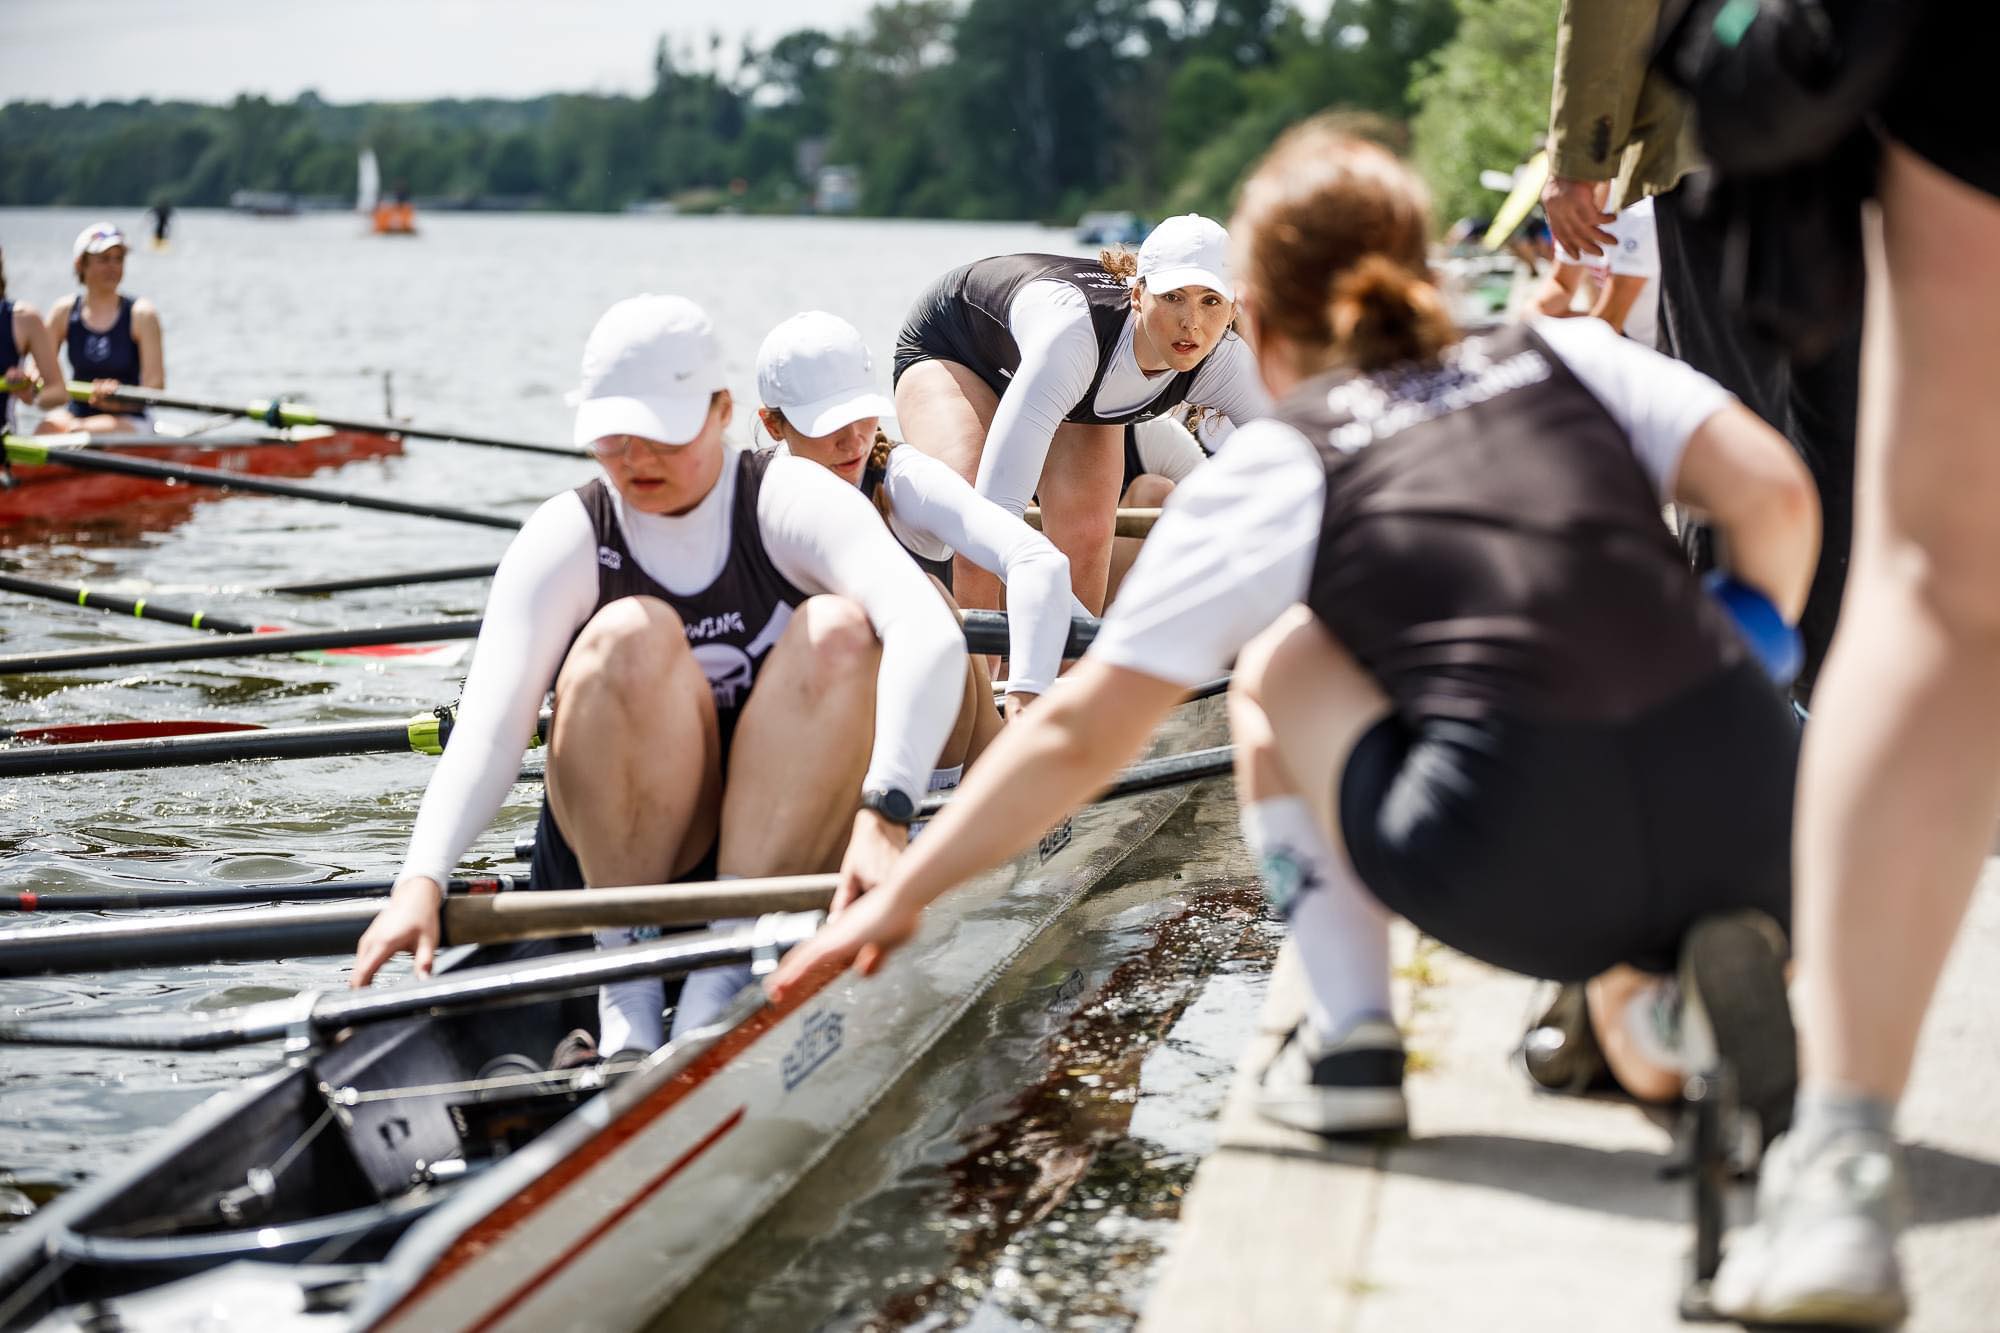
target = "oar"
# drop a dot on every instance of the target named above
(81, 594)
(985, 632)
(450, 574)
(274, 413)
(84, 439)
(1129, 523)
(315, 931)
(457, 991)
(424, 733)
(238, 645)
(85, 733)
(29, 451)
(233, 895)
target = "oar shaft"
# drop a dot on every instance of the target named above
(447, 575)
(25, 450)
(81, 594)
(549, 914)
(257, 645)
(1129, 522)
(232, 895)
(216, 937)
(296, 414)
(986, 632)
(425, 733)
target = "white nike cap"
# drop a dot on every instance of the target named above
(649, 369)
(816, 369)
(97, 238)
(1187, 251)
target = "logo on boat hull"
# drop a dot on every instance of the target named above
(816, 1045)
(1055, 840)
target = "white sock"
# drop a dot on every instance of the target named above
(1654, 1019)
(1340, 931)
(944, 779)
(631, 1015)
(708, 991)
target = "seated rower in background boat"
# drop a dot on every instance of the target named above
(814, 376)
(741, 656)
(1019, 371)
(27, 353)
(112, 339)
(1499, 710)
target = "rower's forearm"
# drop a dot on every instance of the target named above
(1060, 754)
(919, 687)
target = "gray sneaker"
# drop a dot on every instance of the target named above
(1823, 1249)
(1352, 1086)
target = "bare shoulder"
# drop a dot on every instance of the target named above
(146, 314)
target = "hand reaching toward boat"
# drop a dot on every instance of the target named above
(408, 923)
(862, 936)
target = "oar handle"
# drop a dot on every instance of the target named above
(1129, 522)
(547, 914)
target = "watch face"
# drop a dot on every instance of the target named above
(891, 805)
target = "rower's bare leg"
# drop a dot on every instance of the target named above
(1079, 495)
(945, 410)
(634, 763)
(1298, 702)
(1146, 492)
(634, 777)
(1612, 995)
(795, 767)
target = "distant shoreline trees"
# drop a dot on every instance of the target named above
(946, 108)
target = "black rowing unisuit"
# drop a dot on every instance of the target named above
(1491, 545)
(964, 318)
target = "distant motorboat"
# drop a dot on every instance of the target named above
(265, 203)
(1110, 228)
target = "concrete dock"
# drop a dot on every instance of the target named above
(1513, 1210)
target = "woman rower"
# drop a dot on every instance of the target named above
(112, 339)
(1018, 372)
(741, 656)
(815, 380)
(1498, 710)
(25, 339)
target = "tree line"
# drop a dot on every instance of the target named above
(945, 108)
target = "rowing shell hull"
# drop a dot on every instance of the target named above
(607, 1216)
(50, 498)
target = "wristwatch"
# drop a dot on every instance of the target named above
(893, 805)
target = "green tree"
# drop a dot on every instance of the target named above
(1483, 101)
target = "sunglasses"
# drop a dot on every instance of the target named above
(608, 447)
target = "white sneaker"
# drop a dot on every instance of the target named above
(1352, 1086)
(1823, 1249)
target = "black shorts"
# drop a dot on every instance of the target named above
(554, 864)
(1559, 850)
(936, 329)
(1940, 110)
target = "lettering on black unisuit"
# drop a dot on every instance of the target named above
(816, 1045)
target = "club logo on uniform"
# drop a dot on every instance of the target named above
(729, 671)
(1286, 875)
(97, 347)
(609, 558)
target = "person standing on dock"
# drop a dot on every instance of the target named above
(1019, 372)
(819, 401)
(1476, 686)
(27, 353)
(741, 656)
(112, 339)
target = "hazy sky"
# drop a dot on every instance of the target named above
(363, 50)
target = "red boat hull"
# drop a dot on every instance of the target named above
(51, 499)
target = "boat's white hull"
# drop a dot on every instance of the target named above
(604, 1219)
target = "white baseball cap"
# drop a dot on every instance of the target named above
(97, 238)
(1187, 251)
(816, 369)
(649, 369)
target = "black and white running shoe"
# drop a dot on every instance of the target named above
(1352, 1086)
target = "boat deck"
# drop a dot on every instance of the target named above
(1509, 1210)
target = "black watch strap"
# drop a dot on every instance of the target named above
(890, 803)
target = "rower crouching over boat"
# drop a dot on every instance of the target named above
(750, 678)
(816, 381)
(1477, 686)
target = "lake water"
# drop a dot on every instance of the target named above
(478, 324)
